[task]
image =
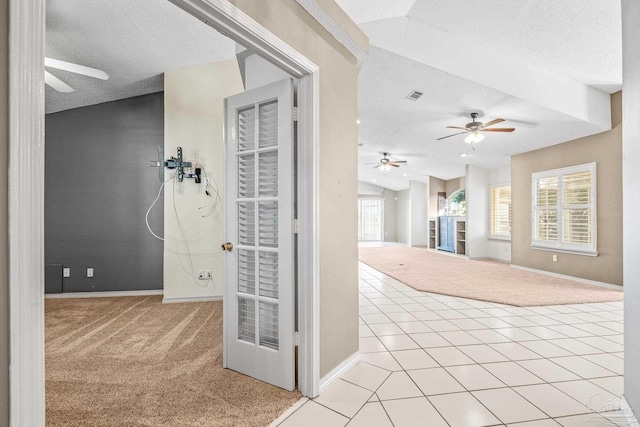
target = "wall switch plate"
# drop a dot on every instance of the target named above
(66, 272)
(207, 275)
(201, 275)
(90, 272)
(555, 258)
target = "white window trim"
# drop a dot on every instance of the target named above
(502, 237)
(559, 245)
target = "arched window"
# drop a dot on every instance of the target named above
(456, 205)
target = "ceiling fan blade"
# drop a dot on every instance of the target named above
(75, 68)
(492, 122)
(499, 130)
(376, 167)
(456, 127)
(56, 83)
(395, 166)
(373, 163)
(398, 161)
(449, 136)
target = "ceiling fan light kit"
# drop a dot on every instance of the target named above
(475, 129)
(386, 163)
(474, 137)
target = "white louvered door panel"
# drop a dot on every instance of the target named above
(258, 297)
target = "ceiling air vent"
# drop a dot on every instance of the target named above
(413, 96)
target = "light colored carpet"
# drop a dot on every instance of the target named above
(134, 361)
(492, 281)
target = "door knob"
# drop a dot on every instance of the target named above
(227, 246)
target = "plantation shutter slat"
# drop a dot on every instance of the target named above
(501, 211)
(577, 213)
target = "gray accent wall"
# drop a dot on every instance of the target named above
(98, 187)
(631, 201)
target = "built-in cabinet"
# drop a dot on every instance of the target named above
(448, 233)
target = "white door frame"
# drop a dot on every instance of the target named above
(26, 193)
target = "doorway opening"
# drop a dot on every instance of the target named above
(26, 372)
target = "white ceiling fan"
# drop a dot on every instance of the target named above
(61, 86)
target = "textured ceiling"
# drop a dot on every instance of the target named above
(580, 39)
(134, 42)
(409, 129)
(575, 39)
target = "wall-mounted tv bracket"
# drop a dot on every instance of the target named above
(175, 163)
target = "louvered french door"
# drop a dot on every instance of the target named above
(259, 297)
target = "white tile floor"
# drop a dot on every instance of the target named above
(434, 360)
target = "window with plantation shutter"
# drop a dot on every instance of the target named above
(564, 209)
(501, 212)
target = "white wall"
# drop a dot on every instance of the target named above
(477, 197)
(631, 202)
(259, 72)
(498, 249)
(366, 190)
(390, 215)
(194, 116)
(404, 217)
(419, 208)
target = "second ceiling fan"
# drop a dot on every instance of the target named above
(475, 129)
(386, 163)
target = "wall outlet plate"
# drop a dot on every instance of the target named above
(555, 258)
(201, 275)
(208, 275)
(66, 272)
(90, 272)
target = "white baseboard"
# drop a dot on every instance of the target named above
(286, 414)
(564, 276)
(191, 299)
(626, 410)
(105, 294)
(339, 371)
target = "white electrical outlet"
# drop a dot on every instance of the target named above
(555, 258)
(66, 272)
(90, 272)
(207, 275)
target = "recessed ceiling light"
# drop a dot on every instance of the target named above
(373, 180)
(464, 154)
(358, 121)
(404, 174)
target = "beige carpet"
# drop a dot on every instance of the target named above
(137, 362)
(492, 281)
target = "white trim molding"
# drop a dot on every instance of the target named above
(337, 372)
(573, 278)
(328, 23)
(26, 213)
(190, 299)
(308, 279)
(105, 294)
